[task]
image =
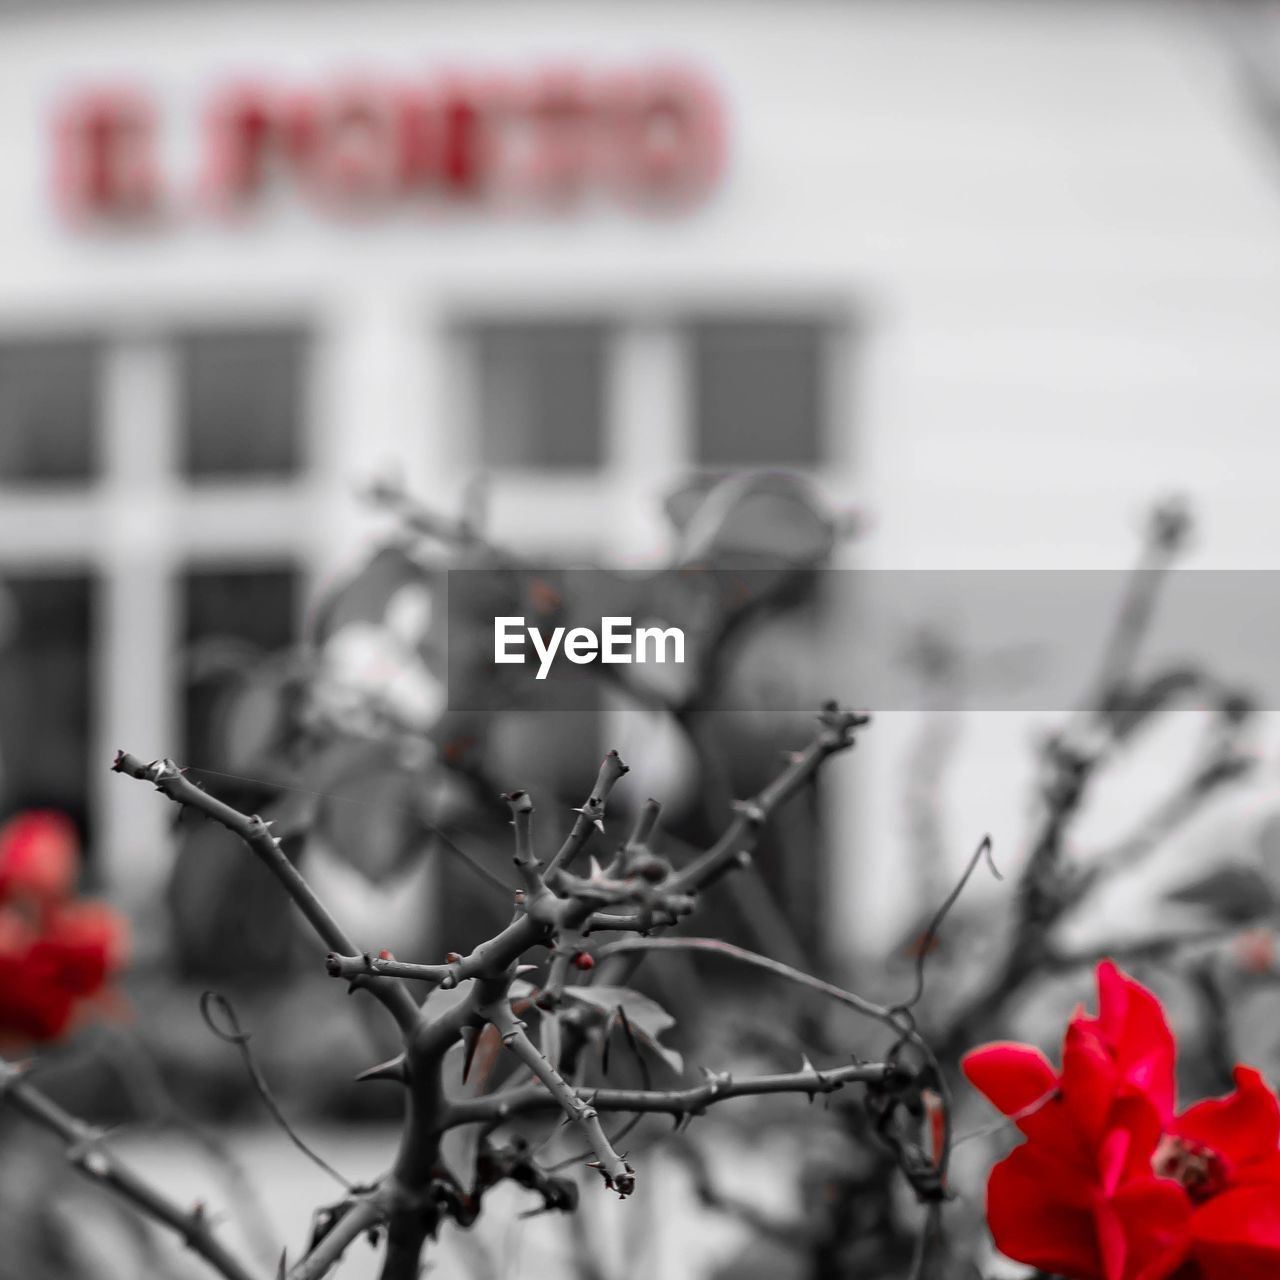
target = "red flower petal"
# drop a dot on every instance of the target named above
(33, 1007)
(1012, 1076)
(1132, 1027)
(1143, 1230)
(1018, 1079)
(1242, 1127)
(16, 933)
(84, 942)
(1236, 1236)
(1041, 1217)
(39, 855)
(1090, 1082)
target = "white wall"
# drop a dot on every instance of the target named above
(1056, 220)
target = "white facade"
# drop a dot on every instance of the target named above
(1053, 225)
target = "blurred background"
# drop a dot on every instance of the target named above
(964, 285)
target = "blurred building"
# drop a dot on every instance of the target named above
(996, 272)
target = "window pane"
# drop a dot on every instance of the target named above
(758, 390)
(541, 393)
(231, 616)
(242, 403)
(46, 694)
(47, 411)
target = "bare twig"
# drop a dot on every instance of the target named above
(234, 1033)
(925, 945)
(590, 816)
(172, 782)
(927, 1183)
(557, 909)
(88, 1154)
(618, 1175)
(680, 1103)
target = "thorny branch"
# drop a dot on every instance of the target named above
(1119, 704)
(689, 710)
(172, 781)
(926, 1171)
(88, 1153)
(682, 1104)
(638, 891)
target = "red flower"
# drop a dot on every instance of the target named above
(1112, 1183)
(56, 953)
(39, 855)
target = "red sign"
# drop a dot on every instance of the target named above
(652, 139)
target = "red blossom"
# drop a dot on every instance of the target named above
(1112, 1183)
(39, 855)
(56, 952)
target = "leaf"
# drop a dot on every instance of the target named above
(488, 1051)
(255, 717)
(1235, 894)
(642, 1011)
(365, 595)
(358, 797)
(371, 821)
(647, 1017)
(767, 517)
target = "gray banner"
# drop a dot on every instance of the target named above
(885, 640)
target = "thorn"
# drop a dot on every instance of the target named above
(597, 872)
(282, 1269)
(470, 1038)
(525, 968)
(599, 825)
(393, 1069)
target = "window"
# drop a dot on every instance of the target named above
(540, 392)
(230, 617)
(47, 411)
(242, 404)
(758, 391)
(46, 630)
